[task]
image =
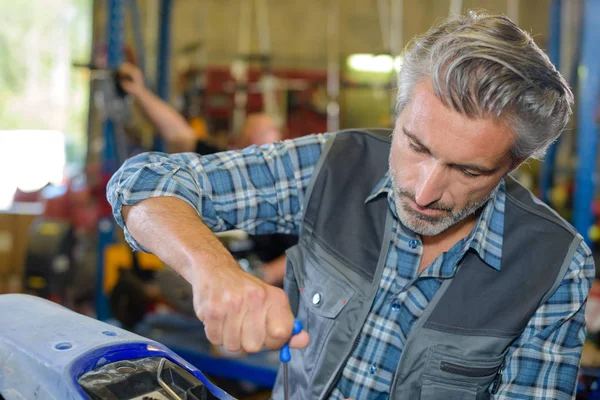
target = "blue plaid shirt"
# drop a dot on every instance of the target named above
(261, 190)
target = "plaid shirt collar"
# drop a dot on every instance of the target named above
(485, 239)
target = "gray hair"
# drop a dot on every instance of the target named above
(485, 66)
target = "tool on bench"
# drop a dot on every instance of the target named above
(285, 357)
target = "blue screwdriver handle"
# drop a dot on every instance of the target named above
(284, 353)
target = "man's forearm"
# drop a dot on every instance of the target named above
(238, 310)
(172, 230)
(173, 128)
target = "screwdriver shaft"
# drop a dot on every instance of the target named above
(286, 387)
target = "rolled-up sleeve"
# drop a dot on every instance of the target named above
(257, 189)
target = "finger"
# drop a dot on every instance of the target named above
(125, 73)
(232, 326)
(214, 332)
(280, 323)
(300, 340)
(253, 331)
(214, 319)
(126, 65)
(254, 324)
(127, 86)
(125, 77)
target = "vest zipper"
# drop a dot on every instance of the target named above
(341, 370)
(496, 381)
(467, 371)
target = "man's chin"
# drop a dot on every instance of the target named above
(423, 224)
(425, 229)
(431, 224)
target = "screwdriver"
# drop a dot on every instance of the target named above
(285, 357)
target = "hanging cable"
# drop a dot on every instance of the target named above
(333, 65)
(455, 7)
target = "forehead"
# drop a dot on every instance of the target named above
(454, 136)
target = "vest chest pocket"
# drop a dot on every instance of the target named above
(323, 294)
(451, 376)
(322, 297)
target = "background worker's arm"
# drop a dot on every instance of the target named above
(172, 127)
(170, 204)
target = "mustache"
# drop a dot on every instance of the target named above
(433, 206)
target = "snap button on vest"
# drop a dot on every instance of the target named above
(316, 299)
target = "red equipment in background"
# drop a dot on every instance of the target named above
(304, 111)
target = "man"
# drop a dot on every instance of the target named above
(434, 275)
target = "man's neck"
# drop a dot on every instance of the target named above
(452, 235)
(433, 246)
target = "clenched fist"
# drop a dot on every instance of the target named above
(241, 312)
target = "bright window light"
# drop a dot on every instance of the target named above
(31, 159)
(398, 63)
(383, 63)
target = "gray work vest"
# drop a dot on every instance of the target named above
(456, 349)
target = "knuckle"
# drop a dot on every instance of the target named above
(257, 295)
(201, 313)
(215, 313)
(279, 333)
(279, 297)
(233, 301)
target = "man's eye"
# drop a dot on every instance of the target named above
(416, 148)
(469, 174)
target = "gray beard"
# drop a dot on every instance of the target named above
(428, 225)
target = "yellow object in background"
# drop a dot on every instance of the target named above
(594, 233)
(119, 256)
(559, 196)
(200, 127)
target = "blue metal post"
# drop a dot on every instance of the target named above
(163, 66)
(587, 138)
(547, 167)
(115, 31)
(138, 37)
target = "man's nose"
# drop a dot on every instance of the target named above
(431, 183)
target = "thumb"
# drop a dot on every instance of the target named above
(300, 340)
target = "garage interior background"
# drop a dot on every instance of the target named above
(314, 65)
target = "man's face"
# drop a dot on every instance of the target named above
(444, 166)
